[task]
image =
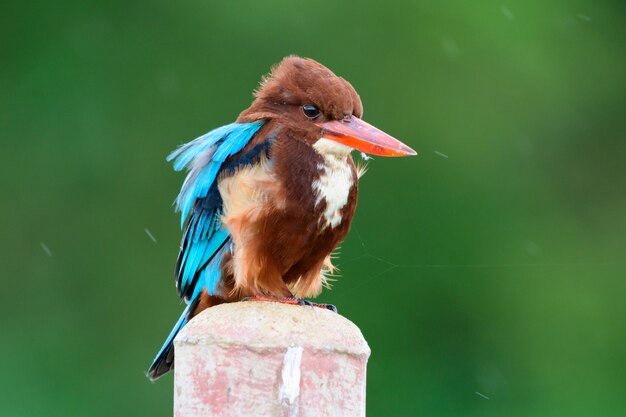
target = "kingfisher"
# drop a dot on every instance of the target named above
(268, 198)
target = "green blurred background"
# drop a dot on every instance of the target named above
(487, 273)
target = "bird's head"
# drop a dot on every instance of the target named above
(320, 108)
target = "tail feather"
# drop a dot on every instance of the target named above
(164, 360)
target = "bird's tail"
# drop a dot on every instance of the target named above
(164, 360)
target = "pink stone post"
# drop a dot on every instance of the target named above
(269, 359)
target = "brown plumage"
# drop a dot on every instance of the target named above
(286, 199)
(280, 242)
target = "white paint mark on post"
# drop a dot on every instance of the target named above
(482, 395)
(290, 377)
(46, 249)
(280, 360)
(443, 155)
(150, 235)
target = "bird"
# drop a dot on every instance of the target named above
(268, 198)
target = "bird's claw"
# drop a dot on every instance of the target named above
(304, 302)
(331, 307)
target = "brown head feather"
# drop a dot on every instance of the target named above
(295, 82)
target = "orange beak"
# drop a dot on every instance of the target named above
(362, 136)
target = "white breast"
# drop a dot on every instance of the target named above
(334, 183)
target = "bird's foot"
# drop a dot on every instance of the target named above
(272, 299)
(330, 307)
(290, 300)
(303, 302)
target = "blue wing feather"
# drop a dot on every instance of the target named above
(164, 360)
(203, 157)
(205, 240)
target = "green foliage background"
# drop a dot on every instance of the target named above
(490, 265)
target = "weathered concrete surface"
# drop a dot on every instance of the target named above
(269, 359)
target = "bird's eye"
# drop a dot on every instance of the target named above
(310, 111)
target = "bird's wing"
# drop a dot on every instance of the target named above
(205, 239)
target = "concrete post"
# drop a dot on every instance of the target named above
(269, 359)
